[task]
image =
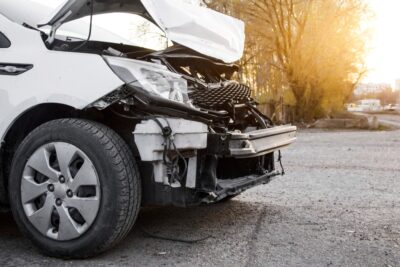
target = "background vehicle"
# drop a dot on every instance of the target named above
(366, 105)
(392, 107)
(91, 130)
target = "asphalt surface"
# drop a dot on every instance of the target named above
(338, 205)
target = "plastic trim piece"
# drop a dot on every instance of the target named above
(261, 142)
(14, 69)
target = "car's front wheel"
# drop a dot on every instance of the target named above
(74, 188)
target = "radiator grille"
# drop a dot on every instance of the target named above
(219, 97)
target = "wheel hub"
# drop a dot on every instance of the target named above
(60, 191)
(64, 202)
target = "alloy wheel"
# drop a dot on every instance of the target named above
(60, 191)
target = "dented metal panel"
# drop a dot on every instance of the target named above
(204, 30)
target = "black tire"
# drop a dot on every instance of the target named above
(120, 186)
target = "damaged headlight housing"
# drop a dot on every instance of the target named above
(154, 78)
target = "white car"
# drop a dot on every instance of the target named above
(392, 107)
(92, 130)
(366, 105)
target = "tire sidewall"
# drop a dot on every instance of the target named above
(106, 220)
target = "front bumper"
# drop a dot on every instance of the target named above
(262, 142)
(251, 144)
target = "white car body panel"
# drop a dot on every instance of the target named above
(73, 79)
(204, 30)
(36, 12)
(21, 11)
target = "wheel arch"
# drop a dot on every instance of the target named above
(20, 128)
(45, 112)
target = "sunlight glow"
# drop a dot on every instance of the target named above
(384, 57)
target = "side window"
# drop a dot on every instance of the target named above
(4, 42)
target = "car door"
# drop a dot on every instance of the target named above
(9, 68)
(13, 64)
(5, 44)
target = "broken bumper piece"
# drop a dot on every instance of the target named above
(261, 142)
(233, 187)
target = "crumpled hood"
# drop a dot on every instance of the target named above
(204, 30)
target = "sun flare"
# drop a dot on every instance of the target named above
(383, 60)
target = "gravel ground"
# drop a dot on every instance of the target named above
(338, 205)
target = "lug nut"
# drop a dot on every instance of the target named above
(69, 193)
(50, 187)
(58, 202)
(62, 179)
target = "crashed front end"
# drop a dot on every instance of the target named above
(199, 135)
(196, 132)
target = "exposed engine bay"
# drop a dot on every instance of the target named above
(214, 94)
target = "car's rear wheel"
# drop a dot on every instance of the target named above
(74, 188)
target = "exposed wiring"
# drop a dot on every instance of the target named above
(280, 162)
(90, 28)
(259, 115)
(169, 145)
(187, 241)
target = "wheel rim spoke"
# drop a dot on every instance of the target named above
(40, 162)
(68, 228)
(87, 207)
(31, 190)
(65, 153)
(86, 176)
(41, 218)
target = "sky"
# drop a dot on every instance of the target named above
(383, 59)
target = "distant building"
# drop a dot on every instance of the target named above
(366, 88)
(397, 85)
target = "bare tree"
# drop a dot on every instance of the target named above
(309, 52)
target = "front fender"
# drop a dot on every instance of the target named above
(68, 78)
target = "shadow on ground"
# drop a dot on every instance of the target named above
(228, 229)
